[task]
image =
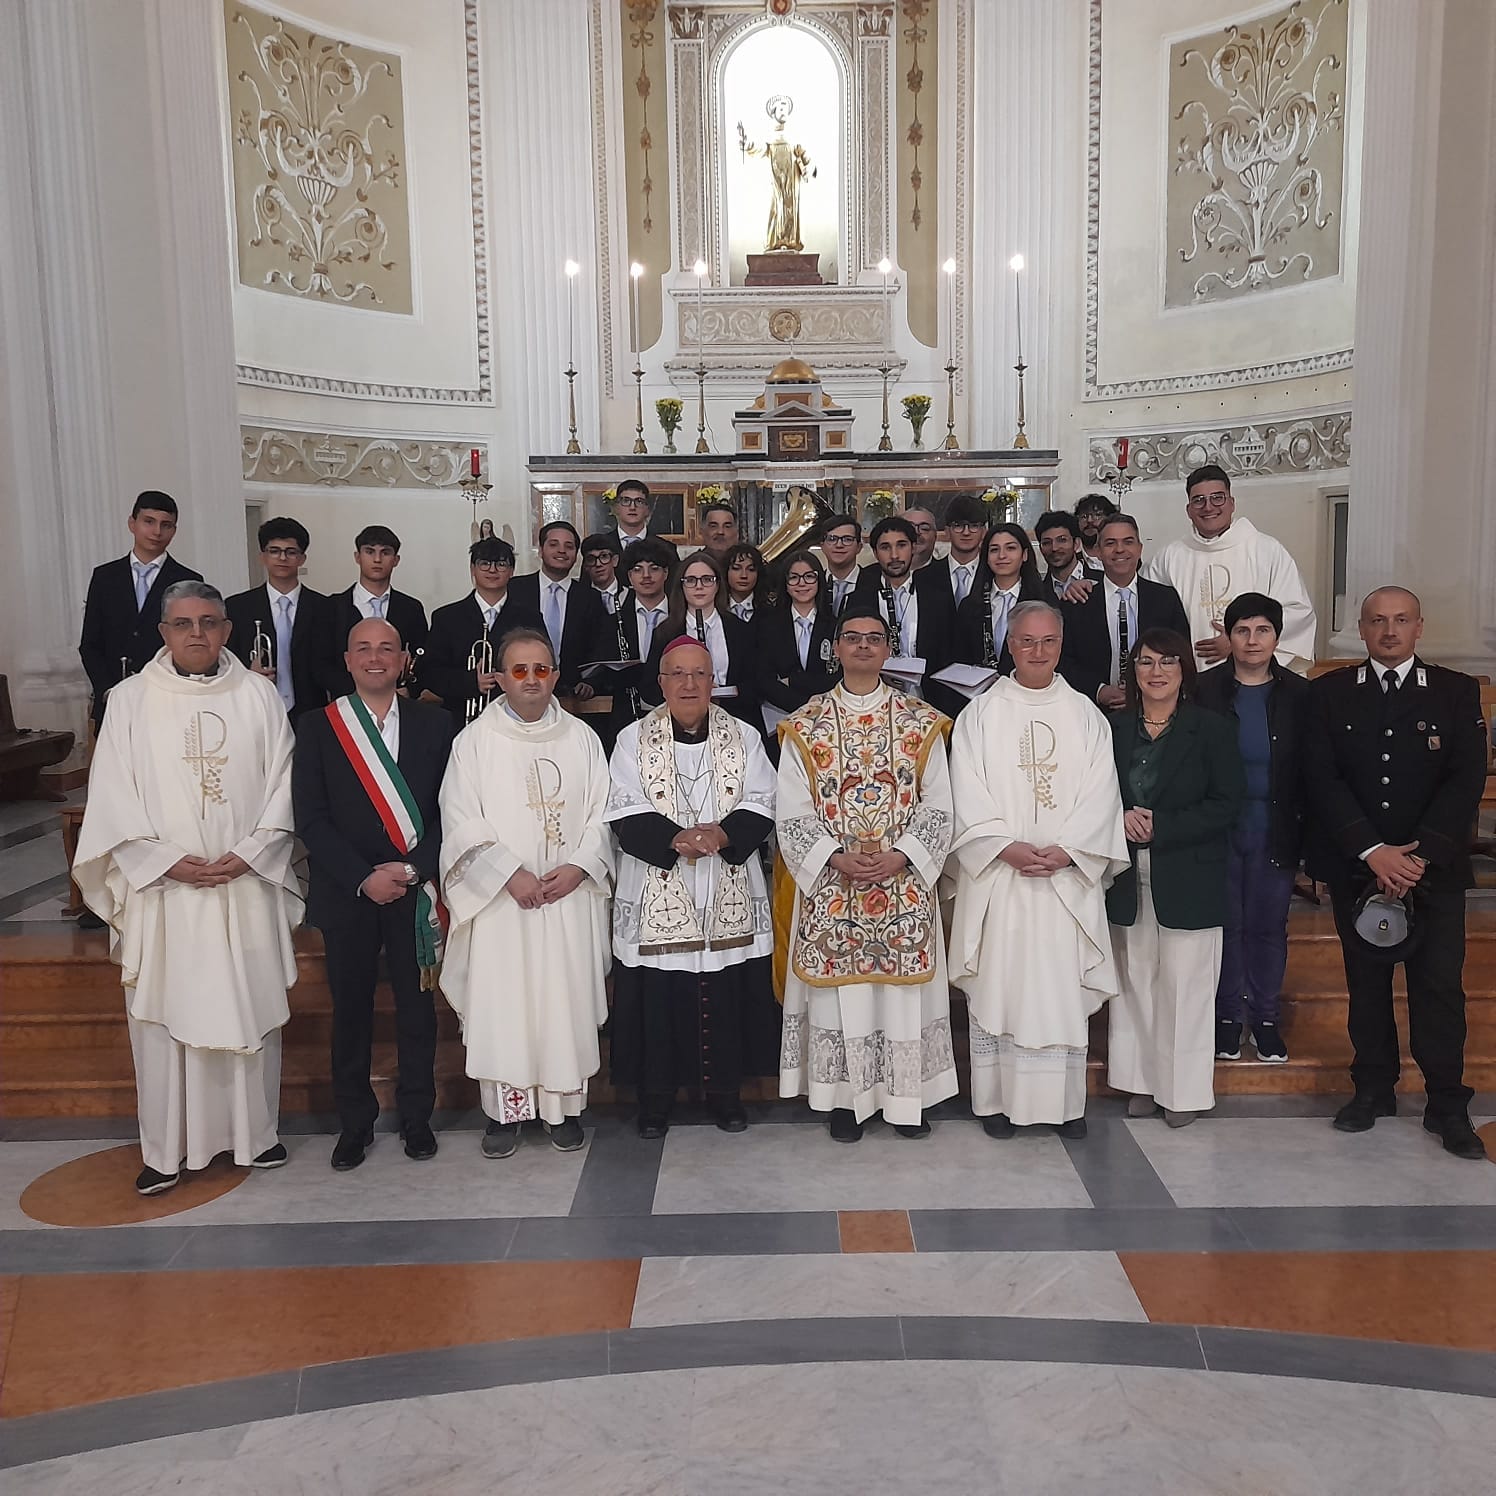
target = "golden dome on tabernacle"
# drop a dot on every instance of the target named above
(791, 371)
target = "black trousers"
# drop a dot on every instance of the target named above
(353, 945)
(1436, 997)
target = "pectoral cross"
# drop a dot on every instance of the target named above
(206, 759)
(543, 796)
(1039, 763)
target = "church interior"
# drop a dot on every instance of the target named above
(460, 269)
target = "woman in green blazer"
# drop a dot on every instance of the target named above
(1182, 787)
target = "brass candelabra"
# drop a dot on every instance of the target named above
(573, 446)
(950, 444)
(1020, 442)
(639, 408)
(702, 445)
(885, 442)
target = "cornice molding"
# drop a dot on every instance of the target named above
(328, 459)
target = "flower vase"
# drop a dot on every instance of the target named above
(918, 423)
(669, 447)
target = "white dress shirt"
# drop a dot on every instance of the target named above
(144, 574)
(716, 642)
(843, 587)
(364, 601)
(1001, 613)
(1112, 593)
(963, 578)
(490, 611)
(1400, 671)
(647, 620)
(906, 610)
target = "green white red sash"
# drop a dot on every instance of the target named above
(385, 785)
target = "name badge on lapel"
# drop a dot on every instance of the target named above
(1422, 675)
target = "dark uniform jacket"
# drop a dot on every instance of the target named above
(1287, 713)
(972, 617)
(1086, 656)
(404, 611)
(583, 630)
(782, 680)
(455, 629)
(1395, 770)
(1200, 789)
(309, 633)
(935, 627)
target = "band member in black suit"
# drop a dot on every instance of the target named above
(1092, 510)
(698, 606)
(1009, 575)
(376, 550)
(364, 783)
(123, 610)
(647, 565)
(601, 554)
(290, 620)
(454, 665)
(1058, 537)
(1395, 760)
(574, 617)
(749, 583)
(841, 544)
(796, 639)
(916, 605)
(633, 508)
(966, 520)
(1104, 619)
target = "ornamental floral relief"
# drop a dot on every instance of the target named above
(1308, 444)
(1257, 117)
(319, 164)
(335, 460)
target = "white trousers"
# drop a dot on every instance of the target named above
(505, 1103)
(1027, 1086)
(1161, 1034)
(194, 1104)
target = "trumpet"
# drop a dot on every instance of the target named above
(124, 666)
(479, 660)
(262, 651)
(407, 681)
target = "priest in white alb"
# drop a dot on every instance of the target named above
(864, 817)
(1039, 836)
(1222, 557)
(527, 866)
(185, 853)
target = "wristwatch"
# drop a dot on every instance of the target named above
(411, 875)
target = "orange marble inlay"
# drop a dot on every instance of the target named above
(1487, 1135)
(99, 1190)
(10, 1293)
(1421, 1298)
(875, 1231)
(87, 1337)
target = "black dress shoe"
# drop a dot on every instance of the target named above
(652, 1125)
(1457, 1135)
(1074, 1128)
(920, 1129)
(728, 1113)
(845, 1128)
(348, 1152)
(271, 1158)
(152, 1182)
(420, 1141)
(1360, 1113)
(566, 1135)
(999, 1126)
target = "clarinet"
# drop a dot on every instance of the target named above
(625, 653)
(989, 643)
(700, 627)
(895, 632)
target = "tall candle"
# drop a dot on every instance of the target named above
(571, 313)
(635, 271)
(885, 266)
(1016, 266)
(950, 308)
(700, 268)
(473, 466)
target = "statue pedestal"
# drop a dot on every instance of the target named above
(784, 268)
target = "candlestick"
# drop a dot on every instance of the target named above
(950, 443)
(885, 442)
(1020, 441)
(573, 446)
(700, 267)
(635, 271)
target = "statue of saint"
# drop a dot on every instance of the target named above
(787, 165)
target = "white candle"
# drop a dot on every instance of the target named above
(950, 307)
(700, 268)
(1016, 266)
(885, 265)
(571, 313)
(635, 271)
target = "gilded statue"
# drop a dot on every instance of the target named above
(788, 165)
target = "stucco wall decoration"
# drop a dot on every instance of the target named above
(273, 454)
(319, 164)
(1254, 191)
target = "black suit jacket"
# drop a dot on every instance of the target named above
(971, 623)
(935, 627)
(404, 611)
(782, 681)
(1201, 785)
(345, 839)
(584, 636)
(455, 629)
(1086, 658)
(308, 640)
(114, 628)
(1412, 768)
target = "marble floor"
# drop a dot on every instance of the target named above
(1255, 1305)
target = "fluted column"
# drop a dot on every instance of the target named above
(1027, 61)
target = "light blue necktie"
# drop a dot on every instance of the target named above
(553, 617)
(804, 625)
(379, 604)
(144, 576)
(283, 653)
(963, 583)
(649, 621)
(1000, 620)
(843, 586)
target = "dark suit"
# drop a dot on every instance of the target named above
(404, 611)
(972, 619)
(635, 690)
(742, 669)
(583, 630)
(782, 680)
(1199, 789)
(309, 633)
(1400, 769)
(934, 629)
(1086, 656)
(455, 629)
(345, 841)
(115, 629)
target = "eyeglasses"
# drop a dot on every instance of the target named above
(284, 552)
(493, 565)
(1159, 662)
(180, 626)
(698, 581)
(1049, 641)
(524, 672)
(840, 540)
(965, 524)
(696, 676)
(925, 529)
(1209, 501)
(878, 638)
(801, 576)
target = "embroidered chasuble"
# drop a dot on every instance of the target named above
(1033, 955)
(195, 766)
(866, 1003)
(528, 984)
(1209, 574)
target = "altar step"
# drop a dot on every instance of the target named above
(64, 1046)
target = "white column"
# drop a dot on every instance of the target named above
(1393, 290)
(1025, 191)
(186, 59)
(537, 77)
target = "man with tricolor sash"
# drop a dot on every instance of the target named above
(367, 771)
